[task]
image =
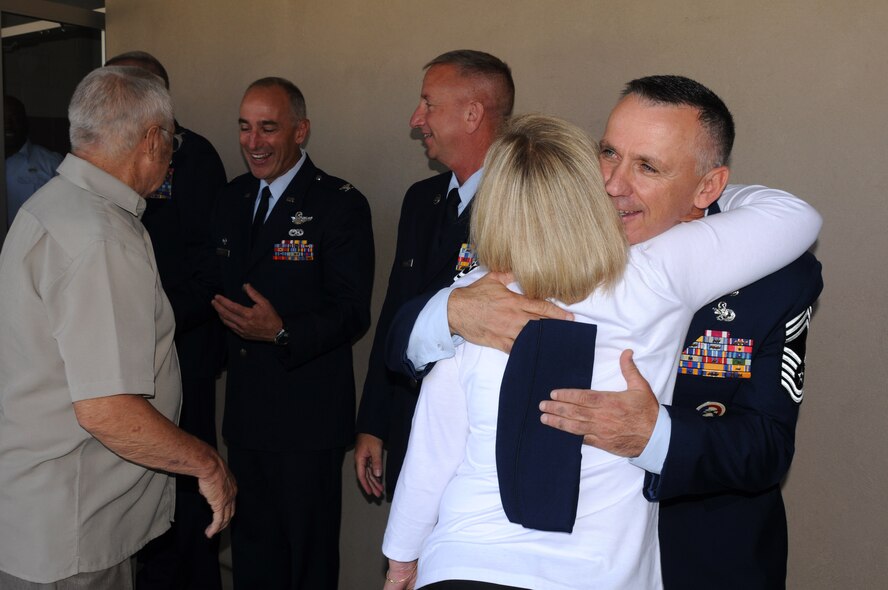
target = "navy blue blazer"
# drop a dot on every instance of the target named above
(722, 520)
(313, 259)
(424, 263)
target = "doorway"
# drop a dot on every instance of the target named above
(48, 47)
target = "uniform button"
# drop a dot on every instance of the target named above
(414, 383)
(243, 352)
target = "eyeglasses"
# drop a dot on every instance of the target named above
(175, 137)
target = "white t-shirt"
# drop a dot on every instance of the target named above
(448, 512)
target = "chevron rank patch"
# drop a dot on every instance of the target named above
(792, 373)
(716, 354)
(293, 251)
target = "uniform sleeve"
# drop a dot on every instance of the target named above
(343, 314)
(762, 231)
(101, 312)
(420, 332)
(750, 447)
(374, 412)
(435, 451)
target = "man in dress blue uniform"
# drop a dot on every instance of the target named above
(177, 219)
(296, 248)
(466, 96)
(716, 456)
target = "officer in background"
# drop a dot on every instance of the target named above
(465, 98)
(177, 217)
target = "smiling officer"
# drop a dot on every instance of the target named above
(296, 248)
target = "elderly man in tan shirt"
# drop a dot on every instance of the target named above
(89, 380)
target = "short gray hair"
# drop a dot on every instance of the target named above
(294, 95)
(113, 106)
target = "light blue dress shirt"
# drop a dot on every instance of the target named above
(26, 171)
(278, 186)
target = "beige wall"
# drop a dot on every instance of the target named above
(806, 82)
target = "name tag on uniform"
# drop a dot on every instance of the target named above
(293, 251)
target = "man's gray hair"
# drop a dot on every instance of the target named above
(294, 95)
(112, 108)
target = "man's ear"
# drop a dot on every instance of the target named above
(153, 143)
(474, 115)
(303, 128)
(711, 187)
(709, 190)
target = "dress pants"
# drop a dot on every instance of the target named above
(183, 558)
(285, 532)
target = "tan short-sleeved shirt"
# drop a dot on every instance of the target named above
(82, 315)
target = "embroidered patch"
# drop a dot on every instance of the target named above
(466, 257)
(712, 409)
(166, 189)
(792, 373)
(293, 250)
(716, 354)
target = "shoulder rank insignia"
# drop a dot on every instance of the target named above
(346, 187)
(299, 218)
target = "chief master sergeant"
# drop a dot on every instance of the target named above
(296, 248)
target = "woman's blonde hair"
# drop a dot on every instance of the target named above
(542, 213)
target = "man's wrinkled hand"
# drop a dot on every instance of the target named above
(619, 422)
(259, 322)
(368, 463)
(219, 488)
(488, 314)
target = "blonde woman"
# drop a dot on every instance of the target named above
(542, 214)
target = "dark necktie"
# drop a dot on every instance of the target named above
(452, 206)
(451, 215)
(261, 212)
